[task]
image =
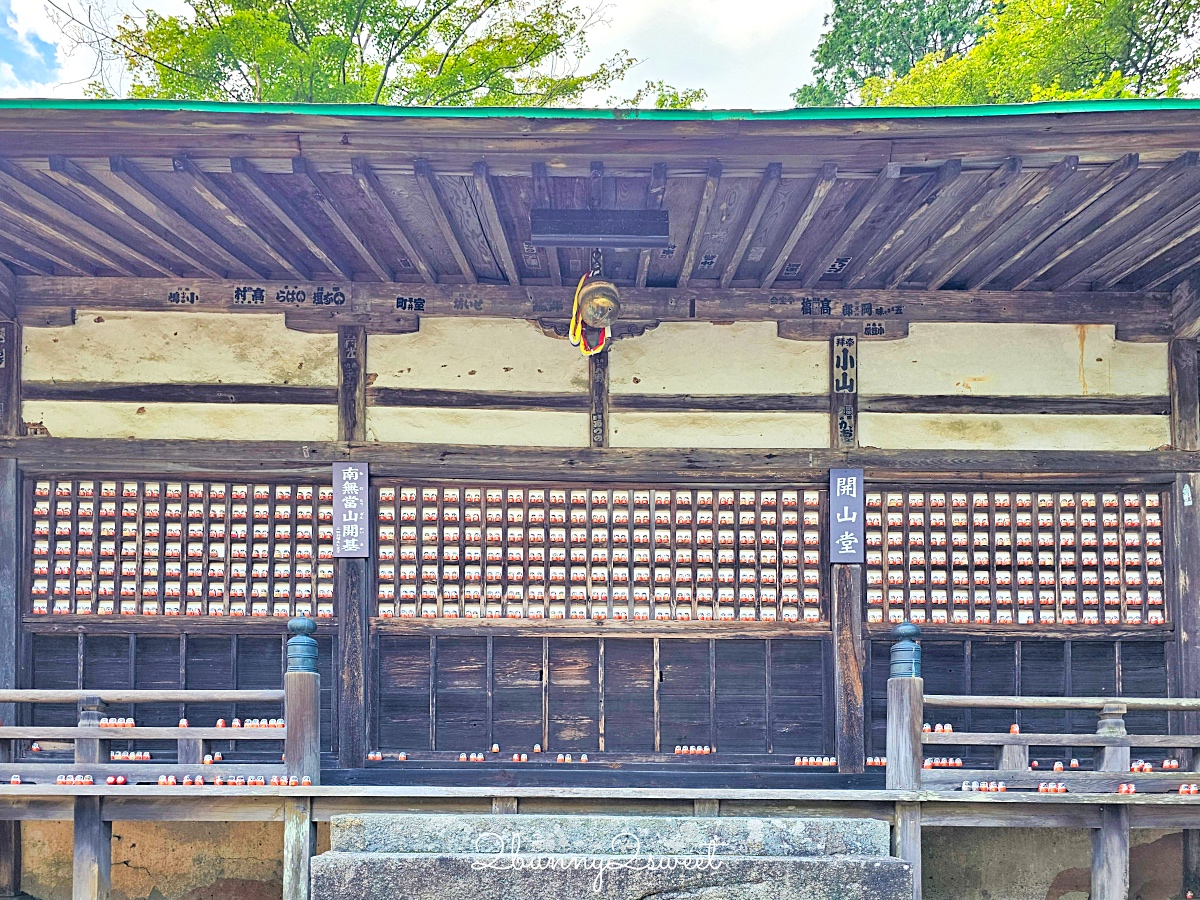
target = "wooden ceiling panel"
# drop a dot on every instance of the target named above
(823, 228)
(514, 199)
(404, 192)
(778, 216)
(681, 200)
(464, 209)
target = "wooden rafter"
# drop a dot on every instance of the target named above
(493, 228)
(215, 196)
(177, 217)
(817, 192)
(923, 208)
(654, 200)
(974, 206)
(389, 214)
(711, 182)
(1051, 191)
(1174, 272)
(1142, 213)
(374, 260)
(858, 211)
(544, 199)
(83, 181)
(102, 246)
(282, 210)
(766, 190)
(428, 183)
(12, 240)
(51, 237)
(1080, 199)
(1153, 243)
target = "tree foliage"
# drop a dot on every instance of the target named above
(885, 39)
(1057, 50)
(410, 52)
(660, 95)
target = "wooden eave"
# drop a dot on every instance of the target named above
(1085, 217)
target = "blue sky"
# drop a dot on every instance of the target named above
(25, 58)
(746, 53)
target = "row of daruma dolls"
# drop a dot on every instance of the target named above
(618, 603)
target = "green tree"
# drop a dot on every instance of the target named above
(410, 52)
(660, 95)
(1058, 50)
(884, 38)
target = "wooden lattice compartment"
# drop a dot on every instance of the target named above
(1016, 556)
(190, 547)
(588, 552)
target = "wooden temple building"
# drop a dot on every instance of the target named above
(992, 313)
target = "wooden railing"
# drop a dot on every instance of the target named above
(301, 760)
(907, 742)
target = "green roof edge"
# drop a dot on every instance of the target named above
(680, 115)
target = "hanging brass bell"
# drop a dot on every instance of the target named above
(599, 303)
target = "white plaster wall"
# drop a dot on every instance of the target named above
(477, 355)
(905, 431)
(496, 427)
(718, 429)
(702, 358)
(179, 348)
(1008, 360)
(183, 421)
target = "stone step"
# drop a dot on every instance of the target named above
(600, 835)
(413, 876)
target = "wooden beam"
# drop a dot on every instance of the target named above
(1185, 395)
(766, 190)
(179, 218)
(976, 205)
(707, 197)
(492, 226)
(427, 181)
(66, 210)
(1041, 215)
(1172, 273)
(360, 242)
(950, 404)
(860, 209)
(544, 199)
(920, 207)
(10, 380)
(282, 210)
(389, 213)
(1149, 213)
(1138, 316)
(135, 392)
(654, 200)
(79, 179)
(215, 195)
(817, 192)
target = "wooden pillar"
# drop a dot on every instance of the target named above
(1110, 854)
(10, 611)
(299, 845)
(598, 384)
(93, 836)
(351, 581)
(847, 617)
(904, 711)
(1185, 395)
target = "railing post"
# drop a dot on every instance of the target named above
(905, 695)
(93, 836)
(1110, 842)
(302, 747)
